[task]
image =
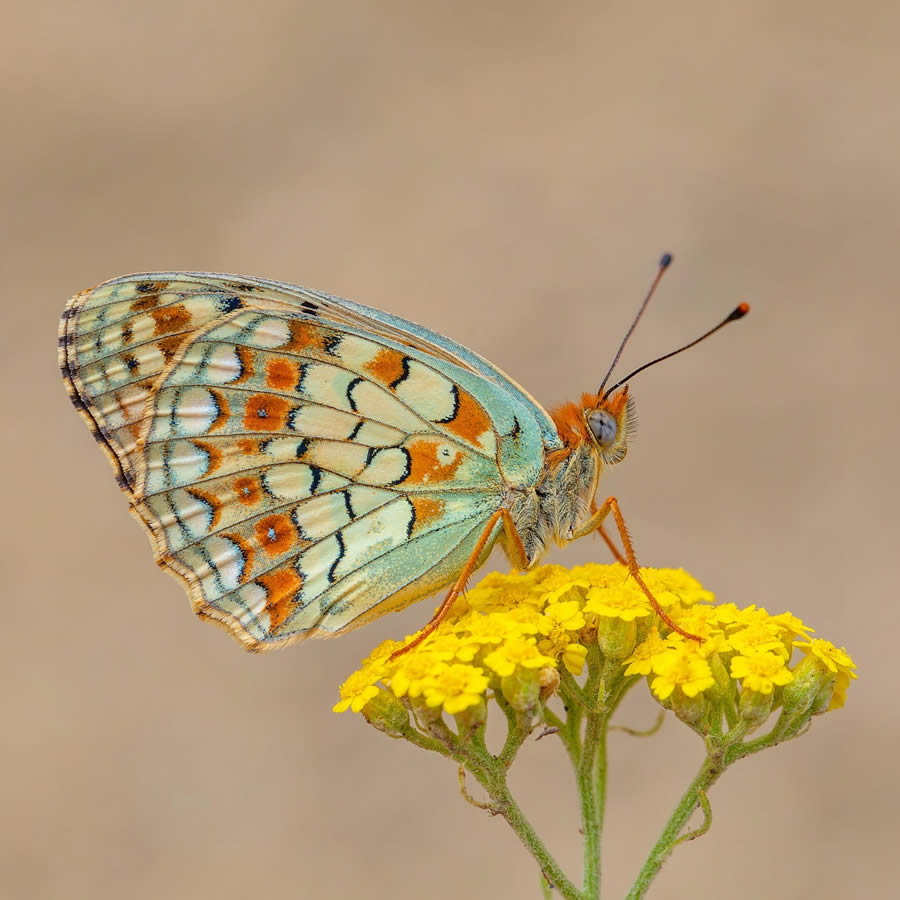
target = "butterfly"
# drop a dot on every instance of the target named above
(305, 464)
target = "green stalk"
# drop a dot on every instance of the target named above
(720, 756)
(593, 760)
(600, 772)
(709, 773)
(491, 774)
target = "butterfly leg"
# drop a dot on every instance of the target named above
(595, 523)
(607, 539)
(612, 547)
(515, 550)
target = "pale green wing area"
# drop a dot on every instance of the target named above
(304, 464)
(303, 478)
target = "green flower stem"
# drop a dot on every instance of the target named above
(491, 775)
(522, 827)
(709, 774)
(514, 739)
(508, 711)
(720, 755)
(414, 736)
(777, 735)
(600, 772)
(592, 794)
(603, 690)
(572, 690)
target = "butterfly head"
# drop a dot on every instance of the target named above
(610, 422)
(605, 423)
(607, 418)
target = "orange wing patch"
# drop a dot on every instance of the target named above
(305, 336)
(432, 461)
(265, 412)
(389, 366)
(247, 491)
(275, 534)
(425, 510)
(281, 587)
(470, 421)
(169, 345)
(169, 319)
(282, 374)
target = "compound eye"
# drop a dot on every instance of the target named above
(603, 426)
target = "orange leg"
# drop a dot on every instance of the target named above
(595, 523)
(517, 555)
(609, 543)
(606, 538)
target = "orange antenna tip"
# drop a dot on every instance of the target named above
(737, 313)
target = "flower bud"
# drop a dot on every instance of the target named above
(693, 711)
(616, 637)
(522, 689)
(724, 684)
(386, 713)
(810, 692)
(822, 700)
(426, 715)
(472, 717)
(755, 707)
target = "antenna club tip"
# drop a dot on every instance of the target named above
(740, 311)
(665, 261)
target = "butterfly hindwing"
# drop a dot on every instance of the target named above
(299, 467)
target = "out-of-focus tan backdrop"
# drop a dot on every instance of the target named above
(506, 173)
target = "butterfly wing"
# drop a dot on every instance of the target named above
(303, 466)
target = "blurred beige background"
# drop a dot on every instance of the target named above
(506, 173)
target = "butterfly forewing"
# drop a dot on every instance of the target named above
(302, 474)
(115, 342)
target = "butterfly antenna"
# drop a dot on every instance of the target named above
(664, 263)
(737, 313)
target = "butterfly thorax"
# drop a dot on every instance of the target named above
(558, 502)
(594, 434)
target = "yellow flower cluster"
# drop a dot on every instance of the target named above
(511, 633)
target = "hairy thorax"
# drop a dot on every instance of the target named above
(557, 504)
